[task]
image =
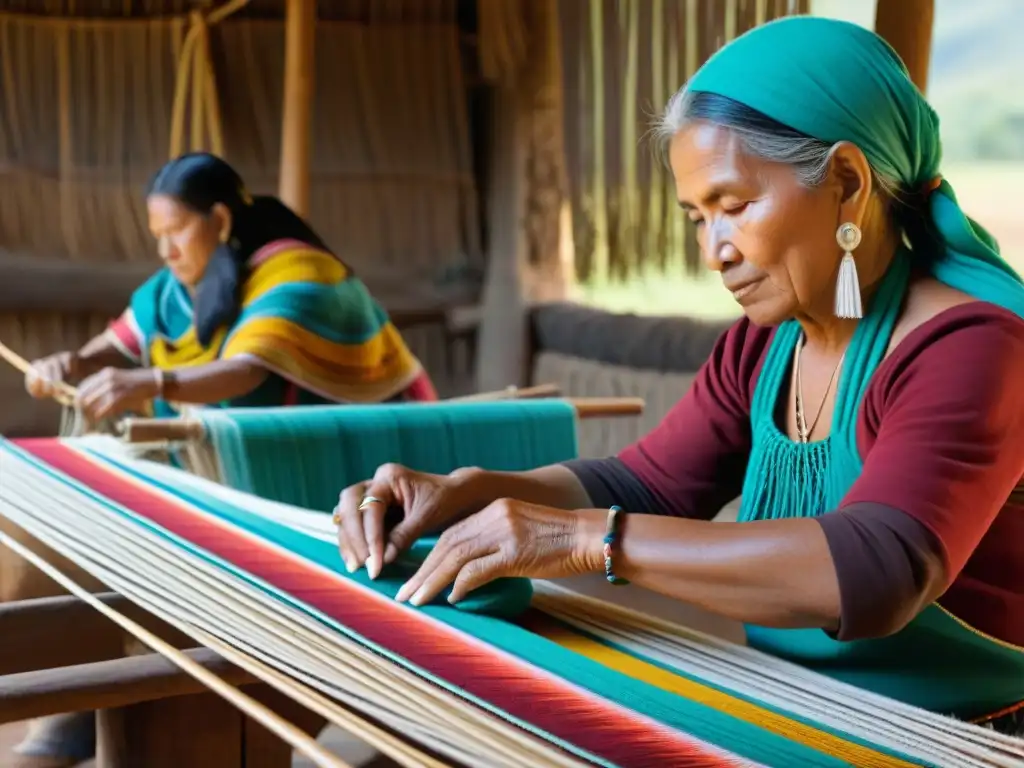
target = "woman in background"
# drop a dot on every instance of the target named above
(250, 309)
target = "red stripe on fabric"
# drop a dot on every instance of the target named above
(291, 395)
(274, 248)
(421, 390)
(122, 329)
(556, 706)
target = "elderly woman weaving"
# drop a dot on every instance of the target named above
(867, 407)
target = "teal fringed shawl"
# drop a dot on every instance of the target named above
(789, 479)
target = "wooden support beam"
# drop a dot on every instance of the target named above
(33, 633)
(299, 85)
(107, 684)
(198, 731)
(35, 283)
(907, 26)
(46, 284)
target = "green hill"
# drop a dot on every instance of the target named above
(976, 67)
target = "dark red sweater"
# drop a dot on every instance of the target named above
(941, 431)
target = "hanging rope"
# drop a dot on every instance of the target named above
(195, 74)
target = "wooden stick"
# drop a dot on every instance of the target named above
(511, 393)
(284, 730)
(607, 407)
(135, 430)
(140, 431)
(63, 392)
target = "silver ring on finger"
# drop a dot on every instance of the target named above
(367, 501)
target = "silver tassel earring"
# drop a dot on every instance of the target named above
(848, 303)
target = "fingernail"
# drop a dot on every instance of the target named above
(402, 593)
(418, 597)
(372, 568)
(350, 565)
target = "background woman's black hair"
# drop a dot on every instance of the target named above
(909, 207)
(200, 181)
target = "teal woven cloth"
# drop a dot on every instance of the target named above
(306, 455)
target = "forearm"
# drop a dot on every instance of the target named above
(214, 382)
(98, 353)
(776, 573)
(552, 486)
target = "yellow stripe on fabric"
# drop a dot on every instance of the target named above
(294, 265)
(368, 373)
(184, 351)
(376, 358)
(774, 722)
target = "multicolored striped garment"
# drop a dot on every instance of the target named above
(303, 315)
(612, 692)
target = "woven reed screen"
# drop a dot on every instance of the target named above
(623, 59)
(85, 115)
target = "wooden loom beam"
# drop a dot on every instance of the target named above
(149, 709)
(186, 430)
(34, 633)
(106, 684)
(150, 712)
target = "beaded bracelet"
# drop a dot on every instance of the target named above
(611, 536)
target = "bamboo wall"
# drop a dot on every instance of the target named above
(622, 62)
(86, 117)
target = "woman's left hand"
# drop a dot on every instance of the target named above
(508, 538)
(114, 391)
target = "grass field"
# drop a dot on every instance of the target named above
(989, 193)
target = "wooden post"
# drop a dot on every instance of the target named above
(296, 128)
(530, 256)
(907, 26)
(502, 341)
(548, 219)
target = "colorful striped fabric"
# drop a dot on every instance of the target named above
(303, 315)
(596, 694)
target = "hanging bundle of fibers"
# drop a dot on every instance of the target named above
(519, 674)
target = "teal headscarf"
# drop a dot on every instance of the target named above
(836, 81)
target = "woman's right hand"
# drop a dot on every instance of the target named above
(429, 502)
(45, 374)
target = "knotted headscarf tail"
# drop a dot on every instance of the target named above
(836, 81)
